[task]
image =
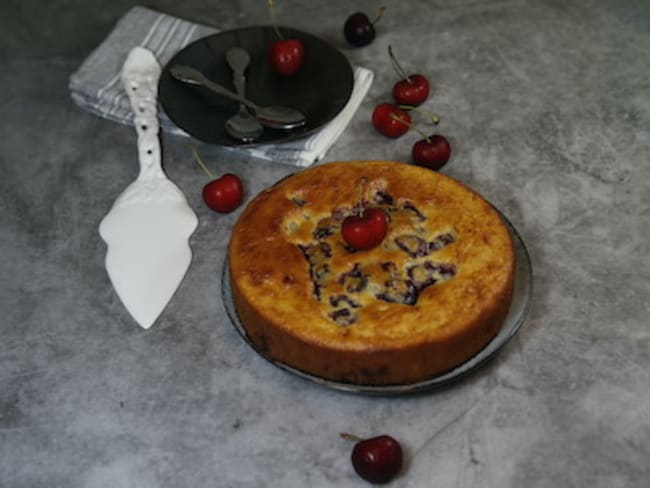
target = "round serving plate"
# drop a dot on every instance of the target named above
(523, 290)
(320, 90)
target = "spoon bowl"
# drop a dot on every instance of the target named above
(244, 126)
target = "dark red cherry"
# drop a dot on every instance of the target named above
(432, 152)
(377, 459)
(359, 30)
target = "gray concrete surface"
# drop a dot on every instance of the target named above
(547, 106)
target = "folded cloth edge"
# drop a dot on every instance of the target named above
(317, 145)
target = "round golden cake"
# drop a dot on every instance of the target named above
(429, 297)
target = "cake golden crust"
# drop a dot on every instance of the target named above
(433, 294)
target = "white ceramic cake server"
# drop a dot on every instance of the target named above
(148, 228)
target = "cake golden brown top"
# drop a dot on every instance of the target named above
(445, 262)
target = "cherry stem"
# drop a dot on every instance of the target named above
(362, 182)
(273, 21)
(398, 68)
(395, 117)
(350, 437)
(426, 137)
(400, 119)
(434, 118)
(380, 13)
(201, 163)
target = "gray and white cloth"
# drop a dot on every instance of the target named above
(96, 86)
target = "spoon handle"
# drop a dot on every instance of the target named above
(193, 76)
(139, 75)
(238, 60)
(220, 90)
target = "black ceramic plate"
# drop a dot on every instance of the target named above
(514, 320)
(320, 89)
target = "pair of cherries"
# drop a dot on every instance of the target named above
(394, 120)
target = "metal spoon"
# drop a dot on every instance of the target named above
(275, 117)
(243, 125)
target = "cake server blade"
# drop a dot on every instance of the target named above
(148, 228)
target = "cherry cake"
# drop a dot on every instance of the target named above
(431, 295)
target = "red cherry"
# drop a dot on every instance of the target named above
(432, 152)
(378, 459)
(286, 56)
(413, 90)
(224, 194)
(390, 120)
(365, 231)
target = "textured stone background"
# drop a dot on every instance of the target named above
(547, 106)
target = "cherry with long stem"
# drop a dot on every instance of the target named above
(411, 89)
(222, 194)
(286, 56)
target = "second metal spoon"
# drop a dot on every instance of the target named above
(275, 117)
(243, 125)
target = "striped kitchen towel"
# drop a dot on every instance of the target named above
(97, 87)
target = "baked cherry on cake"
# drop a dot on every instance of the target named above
(430, 296)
